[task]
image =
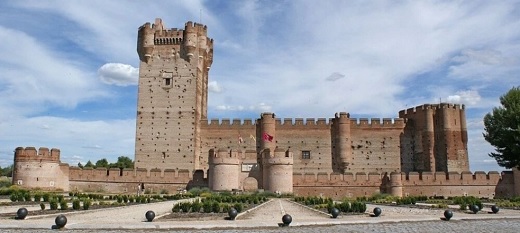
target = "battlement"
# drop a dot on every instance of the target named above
(424, 107)
(301, 121)
(226, 121)
(31, 154)
(377, 122)
(224, 156)
(191, 26)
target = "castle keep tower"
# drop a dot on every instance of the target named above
(172, 98)
(439, 136)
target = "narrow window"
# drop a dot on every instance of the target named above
(167, 81)
(306, 154)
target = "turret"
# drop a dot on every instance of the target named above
(224, 170)
(278, 170)
(396, 184)
(342, 140)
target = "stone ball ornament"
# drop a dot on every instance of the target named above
(150, 215)
(232, 213)
(21, 213)
(334, 212)
(60, 221)
(377, 212)
(448, 214)
(495, 209)
(286, 219)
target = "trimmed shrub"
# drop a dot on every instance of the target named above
(46, 197)
(239, 207)
(86, 204)
(76, 204)
(42, 206)
(196, 206)
(53, 204)
(64, 205)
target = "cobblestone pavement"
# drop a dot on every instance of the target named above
(475, 226)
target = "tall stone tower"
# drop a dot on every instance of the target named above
(173, 95)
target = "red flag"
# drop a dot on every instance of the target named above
(267, 137)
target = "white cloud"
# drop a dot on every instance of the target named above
(469, 97)
(213, 86)
(118, 74)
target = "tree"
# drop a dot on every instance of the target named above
(80, 165)
(102, 163)
(6, 171)
(502, 130)
(89, 164)
(123, 162)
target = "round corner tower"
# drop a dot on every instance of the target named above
(278, 170)
(224, 170)
(40, 169)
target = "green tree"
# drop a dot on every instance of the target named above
(502, 129)
(123, 162)
(89, 164)
(102, 163)
(80, 165)
(6, 171)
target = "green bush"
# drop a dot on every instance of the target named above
(239, 207)
(76, 204)
(86, 204)
(206, 206)
(185, 207)
(37, 197)
(46, 197)
(14, 196)
(53, 203)
(215, 207)
(64, 205)
(196, 206)
(42, 206)
(125, 198)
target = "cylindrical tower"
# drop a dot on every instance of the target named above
(278, 171)
(396, 184)
(343, 141)
(224, 170)
(428, 140)
(190, 39)
(267, 143)
(40, 169)
(145, 42)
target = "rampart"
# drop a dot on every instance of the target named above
(478, 184)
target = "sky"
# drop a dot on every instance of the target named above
(69, 69)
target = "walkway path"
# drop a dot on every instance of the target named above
(266, 216)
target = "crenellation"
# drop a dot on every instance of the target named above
(310, 121)
(375, 122)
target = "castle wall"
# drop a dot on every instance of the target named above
(376, 145)
(225, 133)
(126, 180)
(311, 135)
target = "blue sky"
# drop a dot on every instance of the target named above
(69, 69)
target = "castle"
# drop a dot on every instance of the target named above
(423, 152)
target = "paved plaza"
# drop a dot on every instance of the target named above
(266, 218)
